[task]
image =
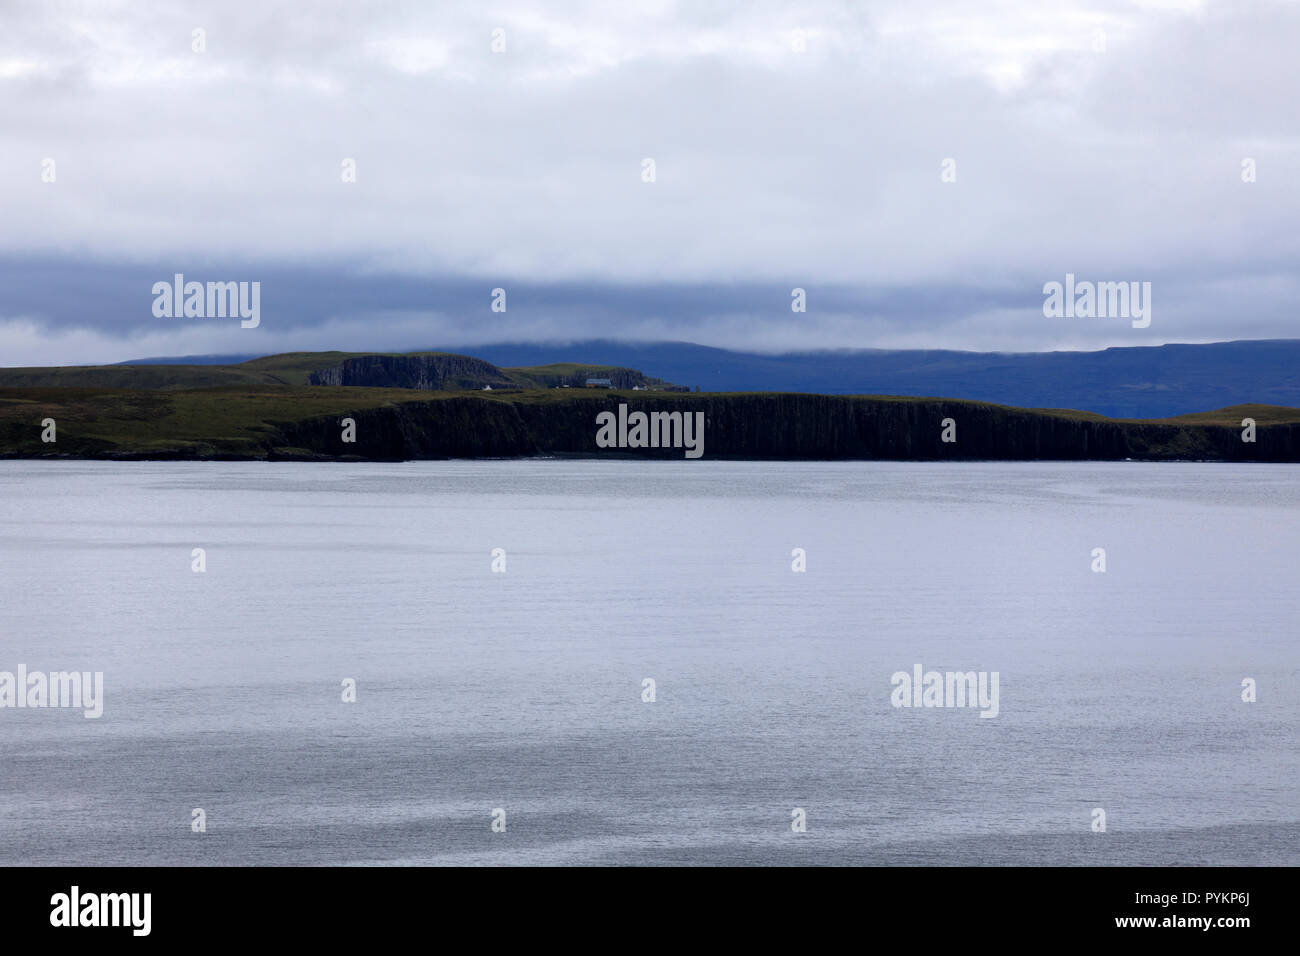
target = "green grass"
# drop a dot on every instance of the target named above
(1233, 414)
(232, 419)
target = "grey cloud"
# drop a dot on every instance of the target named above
(775, 169)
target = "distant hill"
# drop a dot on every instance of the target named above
(192, 360)
(1135, 382)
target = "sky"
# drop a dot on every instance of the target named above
(921, 170)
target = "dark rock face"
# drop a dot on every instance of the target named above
(446, 428)
(757, 427)
(429, 372)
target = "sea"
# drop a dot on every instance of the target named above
(622, 662)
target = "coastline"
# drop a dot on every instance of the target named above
(304, 423)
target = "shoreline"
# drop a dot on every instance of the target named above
(345, 423)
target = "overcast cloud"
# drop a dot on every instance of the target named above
(1104, 139)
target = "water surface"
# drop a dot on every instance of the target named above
(522, 690)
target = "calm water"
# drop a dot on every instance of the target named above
(478, 690)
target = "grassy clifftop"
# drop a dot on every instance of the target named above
(291, 368)
(302, 422)
(417, 370)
